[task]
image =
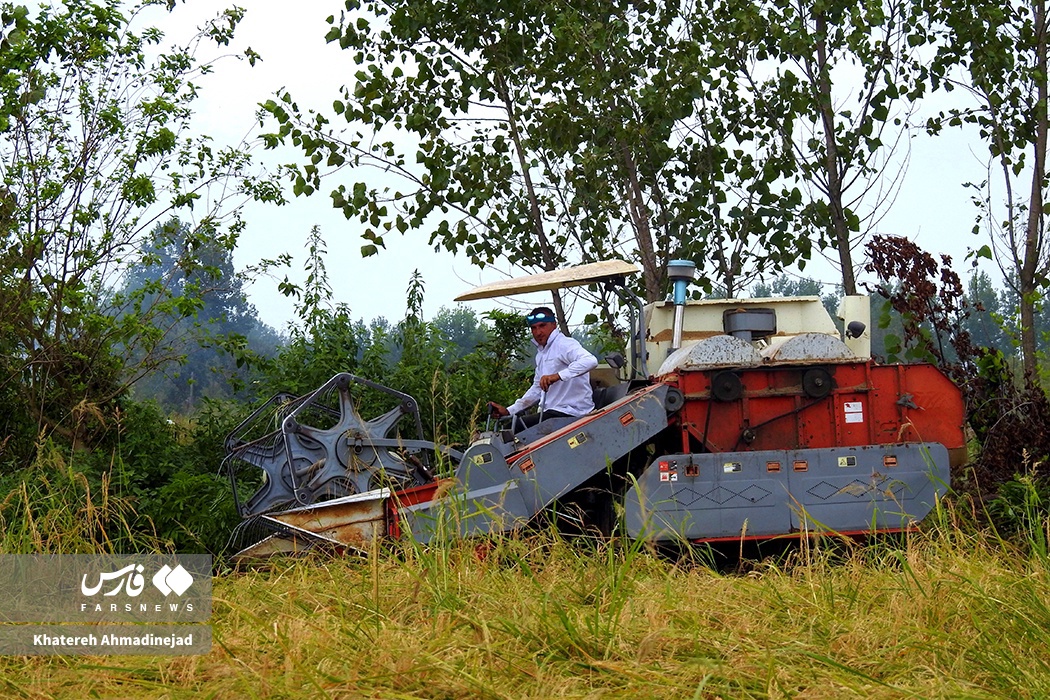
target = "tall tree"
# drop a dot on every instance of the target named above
(194, 294)
(997, 53)
(545, 133)
(989, 318)
(95, 148)
(840, 77)
(462, 327)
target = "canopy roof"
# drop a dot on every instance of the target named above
(577, 276)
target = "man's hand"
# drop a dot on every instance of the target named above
(548, 379)
(496, 410)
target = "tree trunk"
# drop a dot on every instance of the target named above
(652, 274)
(638, 214)
(550, 262)
(1030, 267)
(839, 225)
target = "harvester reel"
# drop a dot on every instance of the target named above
(305, 464)
(344, 456)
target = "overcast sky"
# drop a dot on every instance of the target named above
(932, 207)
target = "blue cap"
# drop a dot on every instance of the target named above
(533, 319)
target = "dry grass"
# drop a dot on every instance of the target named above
(944, 615)
(54, 510)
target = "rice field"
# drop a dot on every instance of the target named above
(950, 612)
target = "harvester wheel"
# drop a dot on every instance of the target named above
(674, 400)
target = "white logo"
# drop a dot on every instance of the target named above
(169, 580)
(166, 580)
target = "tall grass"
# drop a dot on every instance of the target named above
(948, 613)
(53, 508)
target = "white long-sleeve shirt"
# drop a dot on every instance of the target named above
(564, 356)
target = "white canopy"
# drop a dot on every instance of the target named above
(556, 279)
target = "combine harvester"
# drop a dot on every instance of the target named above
(760, 422)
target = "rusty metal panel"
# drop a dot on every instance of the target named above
(354, 521)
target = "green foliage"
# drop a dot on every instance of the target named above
(988, 322)
(51, 507)
(325, 342)
(1022, 511)
(194, 512)
(998, 54)
(311, 356)
(95, 147)
(152, 487)
(544, 132)
(839, 134)
(506, 342)
(451, 366)
(599, 339)
(452, 391)
(461, 327)
(167, 470)
(541, 132)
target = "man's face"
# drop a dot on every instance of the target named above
(541, 331)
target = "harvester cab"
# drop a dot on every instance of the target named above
(744, 418)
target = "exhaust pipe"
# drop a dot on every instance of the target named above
(681, 272)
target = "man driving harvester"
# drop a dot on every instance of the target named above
(562, 383)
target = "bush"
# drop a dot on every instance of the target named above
(195, 512)
(1021, 511)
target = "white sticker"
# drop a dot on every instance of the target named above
(853, 407)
